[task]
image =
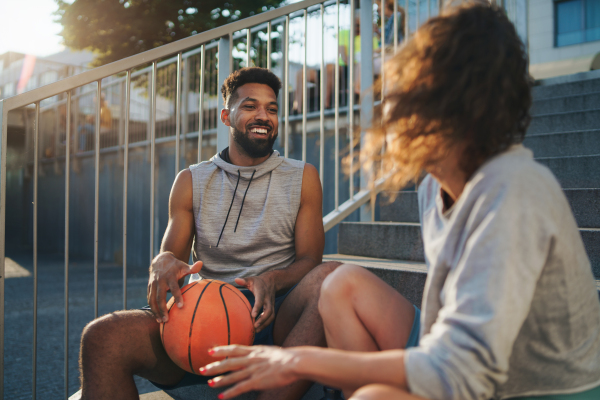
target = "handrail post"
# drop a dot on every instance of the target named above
(223, 73)
(3, 141)
(366, 82)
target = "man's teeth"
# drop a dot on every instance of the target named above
(259, 130)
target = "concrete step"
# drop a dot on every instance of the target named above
(591, 240)
(402, 241)
(391, 240)
(577, 102)
(565, 122)
(575, 172)
(404, 208)
(584, 86)
(203, 392)
(562, 144)
(406, 277)
(585, 204)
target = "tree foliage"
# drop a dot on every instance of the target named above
(115, 29)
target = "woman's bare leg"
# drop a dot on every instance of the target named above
(382, 392)
(361, 312)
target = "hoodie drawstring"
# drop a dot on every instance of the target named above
(232, 199)
(231, 205)
(243, 199)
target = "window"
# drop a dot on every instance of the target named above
(576, 21)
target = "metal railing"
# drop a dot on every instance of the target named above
(179, 56)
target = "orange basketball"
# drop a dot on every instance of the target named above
(214, 313)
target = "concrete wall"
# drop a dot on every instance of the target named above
(546, 59)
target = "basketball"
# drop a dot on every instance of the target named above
(214, 313)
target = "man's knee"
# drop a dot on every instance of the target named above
(339, 285)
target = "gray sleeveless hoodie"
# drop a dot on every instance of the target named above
(245, 217)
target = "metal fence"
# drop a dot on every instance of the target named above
(171, 94)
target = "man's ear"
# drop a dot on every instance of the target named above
(225, 117)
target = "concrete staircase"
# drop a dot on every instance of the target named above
(564, 135)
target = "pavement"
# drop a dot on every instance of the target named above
(18, 330)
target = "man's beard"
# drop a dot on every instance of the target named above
(255, 148)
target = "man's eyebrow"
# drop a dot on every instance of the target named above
(274, 103)
(248, 99)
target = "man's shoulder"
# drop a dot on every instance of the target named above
(292, 164)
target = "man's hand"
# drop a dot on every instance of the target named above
(165, 273)
(256, 368)
(264, 290)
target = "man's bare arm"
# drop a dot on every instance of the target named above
(309, 242)
(170, 266)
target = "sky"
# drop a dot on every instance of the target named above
(28, 27)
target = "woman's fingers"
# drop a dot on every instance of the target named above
(233, 350)
(230, 379)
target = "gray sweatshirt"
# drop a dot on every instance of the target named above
(510, 305)
(245, 217)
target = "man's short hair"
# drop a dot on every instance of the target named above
(248, 75)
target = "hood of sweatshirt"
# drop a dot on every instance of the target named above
(252, 172)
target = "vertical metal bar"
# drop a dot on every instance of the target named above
(286, 85)
(337, 106)
(248, 40)
(3, 143)
(178, 114)
(396, 25)
(56, 138)
(67, 191)
(366, 82)
(97, 194)
(223, 72)
(322, 101)
(304, 91)
(125, 177)
(406, 21)
(269, 28)
(184, 118)
(36, 161)
(152, 157)
(201, 105)
(351, 98)
(230, 51)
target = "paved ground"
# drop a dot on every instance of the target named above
(50, 329)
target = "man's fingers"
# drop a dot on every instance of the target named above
(265, 318)
(176, 292)
(241, 282)
(195, 268)
(161, 300)
(152, 294)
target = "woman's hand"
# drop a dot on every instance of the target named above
(252, 368)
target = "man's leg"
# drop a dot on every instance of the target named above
(118, 346)
(298, 323)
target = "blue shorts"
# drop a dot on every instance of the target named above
(413, 338)
(264, 337)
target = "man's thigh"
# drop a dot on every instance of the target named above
(141, 333)
(302, 299)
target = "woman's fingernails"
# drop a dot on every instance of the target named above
(220, 396)
(202, 370)
(211, 383)
(211, 352)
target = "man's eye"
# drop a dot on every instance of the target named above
(273, 110)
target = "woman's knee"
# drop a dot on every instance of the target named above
(378, 392)
(339, 285)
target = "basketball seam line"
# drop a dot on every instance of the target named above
(249, 310)
(192, 326)
(226, 315)
(162, 326)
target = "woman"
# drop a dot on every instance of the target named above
(510, 308)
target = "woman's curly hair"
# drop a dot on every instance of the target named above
(462, 79)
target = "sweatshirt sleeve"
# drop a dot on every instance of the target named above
(486, 296)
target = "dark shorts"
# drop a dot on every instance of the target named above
(264, 337)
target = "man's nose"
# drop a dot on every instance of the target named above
(261, 114)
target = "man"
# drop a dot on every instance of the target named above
(510, 308)
(253, 219)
